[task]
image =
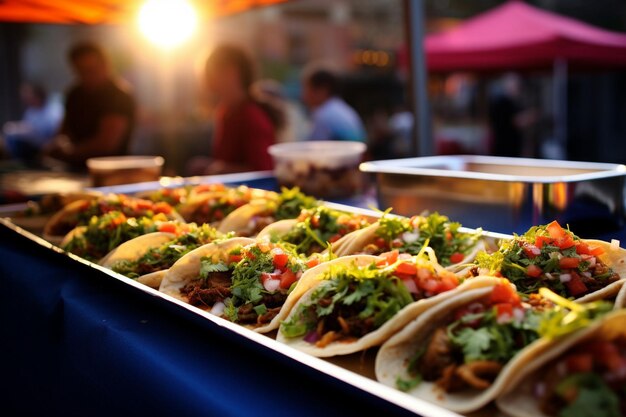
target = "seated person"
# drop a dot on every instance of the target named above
(332, 118)
(25, 138)
(99, 111)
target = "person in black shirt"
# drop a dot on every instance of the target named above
(99, 111)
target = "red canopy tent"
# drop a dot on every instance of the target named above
(517, 36)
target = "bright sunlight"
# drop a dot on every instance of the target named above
(167, 23)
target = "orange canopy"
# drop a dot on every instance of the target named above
(107, 11)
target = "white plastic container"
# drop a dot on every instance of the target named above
(320, 168)
(115, 170)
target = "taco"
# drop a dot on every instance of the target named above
(80, 212)
(106, 232)
(251, 218)
(172, 196)
(462, 353)
(37, 213)
(314, 229)
(451, 245)
(552, 257)
(145, 258)
(584, 375)
(241, 280)
(213, 206)
(358, 301)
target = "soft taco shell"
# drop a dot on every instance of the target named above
(613, 292)
(278, 228)
(314, 278)
(135, 248)
(518, 399)
(238, 221)
(153, 279)
(393, 356)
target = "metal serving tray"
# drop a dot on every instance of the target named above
(506, 195)
(356, 369)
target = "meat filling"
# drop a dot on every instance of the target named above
(207, 292)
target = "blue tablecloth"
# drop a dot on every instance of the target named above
(77, 343)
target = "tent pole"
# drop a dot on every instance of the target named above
(414, 29)
(560, 103)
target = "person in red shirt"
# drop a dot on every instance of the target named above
(244, 126)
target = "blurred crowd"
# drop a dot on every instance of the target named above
(98, 116)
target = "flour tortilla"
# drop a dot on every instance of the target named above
(355, 242)
(239, 220)
(393, 356)
(277, 229)
(518, 399)
(135, 248)
(313, 279)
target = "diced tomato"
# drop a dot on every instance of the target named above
(447, 282)
(584, 249)
(406, 268)
(397, 243)
(431, 285)
(143, 204)
(389, 258)
(162, 207)
(555, 230)
(334, 238)
(380, 242)
(504, 309)
(540, 241)
(533, 271)
(312, 262)
(531, 251)
(565, 242)
(167, 228)
(504, 293)
(233, 259)
(448, 235)
(579, 362)
(575, 285)
(315, 221)
(281, 260)
(267, 276)
(606, 354)
(456, 257)
(287, 278)
(569, 263)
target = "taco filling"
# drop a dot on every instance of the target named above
(319, 226)
(471, 351)
(353, 301)
(251, 287)
(552, 257)
(218, 205)
(164, 256)
(128, 206)
(410, 235)
(591, 377)
(104, 233)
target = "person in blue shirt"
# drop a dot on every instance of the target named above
(331, 117)
(42, 117)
